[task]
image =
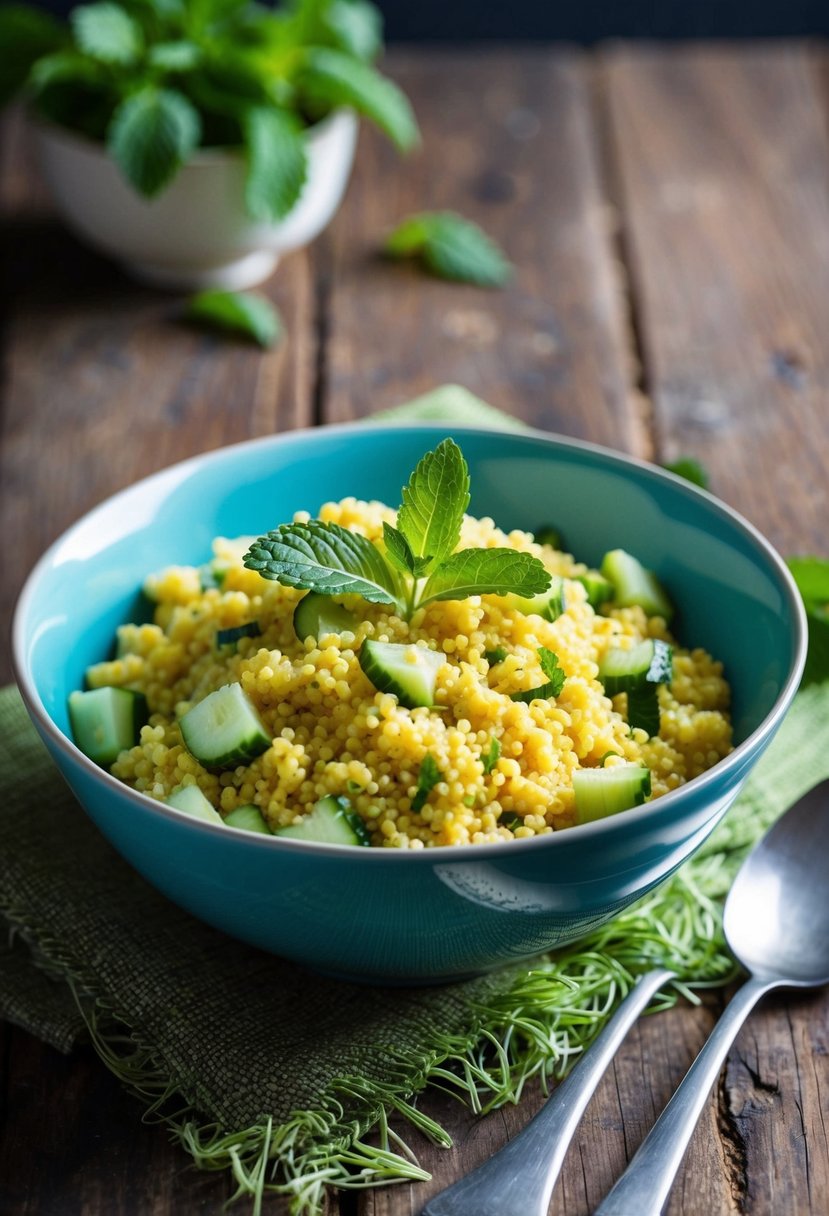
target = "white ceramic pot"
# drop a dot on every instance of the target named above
(196, 233)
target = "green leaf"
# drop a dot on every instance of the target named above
(690, 469)
(427, 779)
(337, 79)
(812, 577)
(26, 34)
(239, 312)
(491, 758)
(178, 56)
(327, 558)
(150, 137)
(63, 67)
(486, 572)
(357, 27)
(434, 502)
(107, 32)
(555, 679)
(277, 162)
(451, 247)
(400, 553)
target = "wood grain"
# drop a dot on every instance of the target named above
(508, 140)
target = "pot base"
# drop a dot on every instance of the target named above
(246, 271)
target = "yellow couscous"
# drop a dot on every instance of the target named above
(333, 733)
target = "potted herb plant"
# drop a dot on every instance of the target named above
(196, 140)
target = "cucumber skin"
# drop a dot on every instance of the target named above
(375, 671)
(254, 744)
(79, 708)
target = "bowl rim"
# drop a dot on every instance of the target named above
(656, 810)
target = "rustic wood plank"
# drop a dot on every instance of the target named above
(722, 160)
(107, 372)
(508, 141)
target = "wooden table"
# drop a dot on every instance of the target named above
(668, 214)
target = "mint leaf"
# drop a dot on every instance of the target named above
(555, 679)
(495, 656)
(277, 162)
(326, 558)
(690, 469)
(812, 577)
(451, 247)
(25, 35)
(486, 572)
(150, 137)
(427, 779)
(62, 67)
(491, 758)
(434, 502)
(179, 56)
(239, 312)
(335, 78)
(357, 27)
(400, 553)
(107, 32)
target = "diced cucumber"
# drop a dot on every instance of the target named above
(637, 672)
(408, 671)
(332, 821)
(606, 791)
(229, 637)
(650, 662)
(224, 729)
(248, 818)
(633, 584)
(549, 604)
(106, 721)
(316, 616)
(191, 800)
(599, 590)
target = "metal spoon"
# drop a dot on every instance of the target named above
(519, 1179)
(777, 924)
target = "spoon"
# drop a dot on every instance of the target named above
(519, 1179)
(777, 924)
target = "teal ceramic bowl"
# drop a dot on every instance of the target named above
(382, 915)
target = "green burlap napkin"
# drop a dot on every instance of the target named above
(279, 1074)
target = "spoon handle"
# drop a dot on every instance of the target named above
(646, 1183)
(518, 1180)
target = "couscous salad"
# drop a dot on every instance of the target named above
(404, 678)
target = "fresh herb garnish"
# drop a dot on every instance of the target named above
(492, 755)
(239, 312)
(496, 656)
(812, 577)
(555, 679)
(155, 79)
(427, 778)
(690, 469)
(451, 247)
(418, 565)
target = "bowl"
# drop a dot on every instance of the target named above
(384, 915)
(197, 232)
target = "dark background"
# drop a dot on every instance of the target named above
(590, 20)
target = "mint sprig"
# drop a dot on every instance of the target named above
(416, 564)
(151, 135)
(549, 663)
(450, 247)
(327, 558)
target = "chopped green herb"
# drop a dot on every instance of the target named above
(491, 758)
(496, 656)
(690, 469)
(555, 679)
(511, 821)
(353, 787)
(469, 800)
(427, 779)
(451, 247)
